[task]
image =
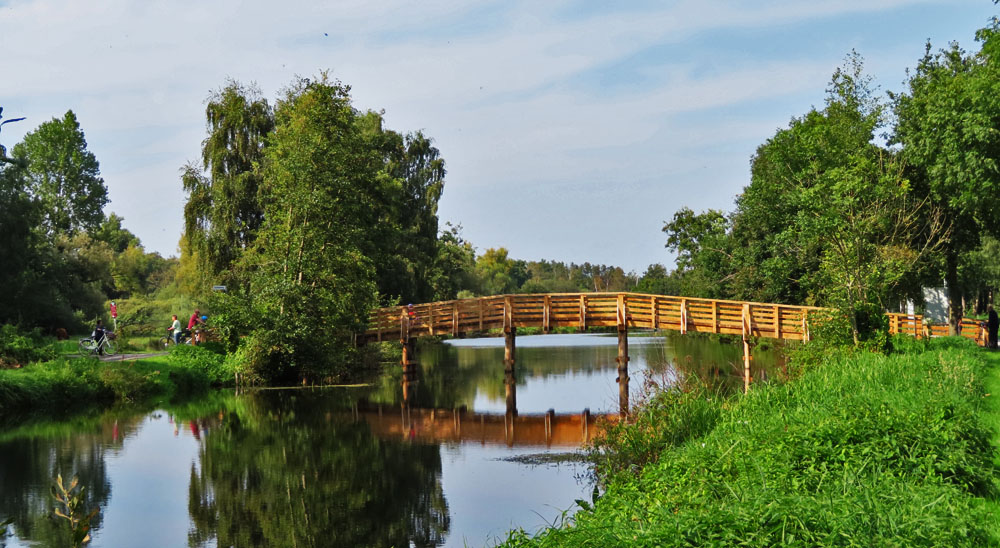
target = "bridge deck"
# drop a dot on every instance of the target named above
(622, 310)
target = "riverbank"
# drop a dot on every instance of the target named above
(861, 450)
(68, 384)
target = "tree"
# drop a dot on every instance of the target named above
(406, 237)
(657, 281)
(18, 241)
(499, 274)
(309, 285)
(949, 129)
(224, 209)
(115, 235)
(702, 244)
(454, 267)
(855, 212)
(63, 175)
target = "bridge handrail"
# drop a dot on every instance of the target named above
(622, 309)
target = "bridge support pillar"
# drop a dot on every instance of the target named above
(510, 388)
(622, 358)
(622, 381)
(409, 360)
(509, 336)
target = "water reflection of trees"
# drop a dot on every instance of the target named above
(30, 462)
(292, 469)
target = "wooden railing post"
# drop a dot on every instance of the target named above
(684, 317)
(622, 333)
(777, 322)
(805, 325)
(655, 307)
(715, 316)
(509, 333)
(547, 315)
(583, 312)
(454, 318)
(481, 305)
(747, 333)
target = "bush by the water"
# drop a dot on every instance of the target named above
(21, 347)
(64, 384)
(208, 360)
(864, 450)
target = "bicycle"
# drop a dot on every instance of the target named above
(168, 340)
(107, 345)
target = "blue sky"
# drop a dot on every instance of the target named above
(571, 130)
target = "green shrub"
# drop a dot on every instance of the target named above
(21, 347)
(207, 358)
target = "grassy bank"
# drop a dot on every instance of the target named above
(67, 384)
(863, 450)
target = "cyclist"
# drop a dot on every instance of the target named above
(195, 320)
(175, 330)
(98, 337)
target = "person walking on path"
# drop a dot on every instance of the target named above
(992, 323)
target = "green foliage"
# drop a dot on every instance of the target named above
(454, 268)
(703, 257)
(657, 281)
(21, 347)
(208, 359)
(64, 384)
(947, 125)
(865, 450)
(499, 274)
(310, 285)
(672, 416)
(224, 209)
(63, 175)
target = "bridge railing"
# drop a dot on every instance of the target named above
(583, 310)
(913, 324)
(628, 310)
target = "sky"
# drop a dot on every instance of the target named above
(571, 130)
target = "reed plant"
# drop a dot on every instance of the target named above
(863, 450)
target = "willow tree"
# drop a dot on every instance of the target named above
(224, 210)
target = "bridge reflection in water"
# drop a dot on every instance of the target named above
(513, 429)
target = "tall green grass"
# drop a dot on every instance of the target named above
(66, 384)
(863, 450)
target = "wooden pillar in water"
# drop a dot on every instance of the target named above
(623, 404)
(510, 389)
(509, 334)
(409, 358)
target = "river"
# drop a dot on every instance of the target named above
(456, 456)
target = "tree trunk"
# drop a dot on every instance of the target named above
(955, 308)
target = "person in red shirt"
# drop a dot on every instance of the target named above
(195, 320)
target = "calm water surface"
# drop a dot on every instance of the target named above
(456, 456)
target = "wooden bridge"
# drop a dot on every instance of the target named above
(623, 311)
